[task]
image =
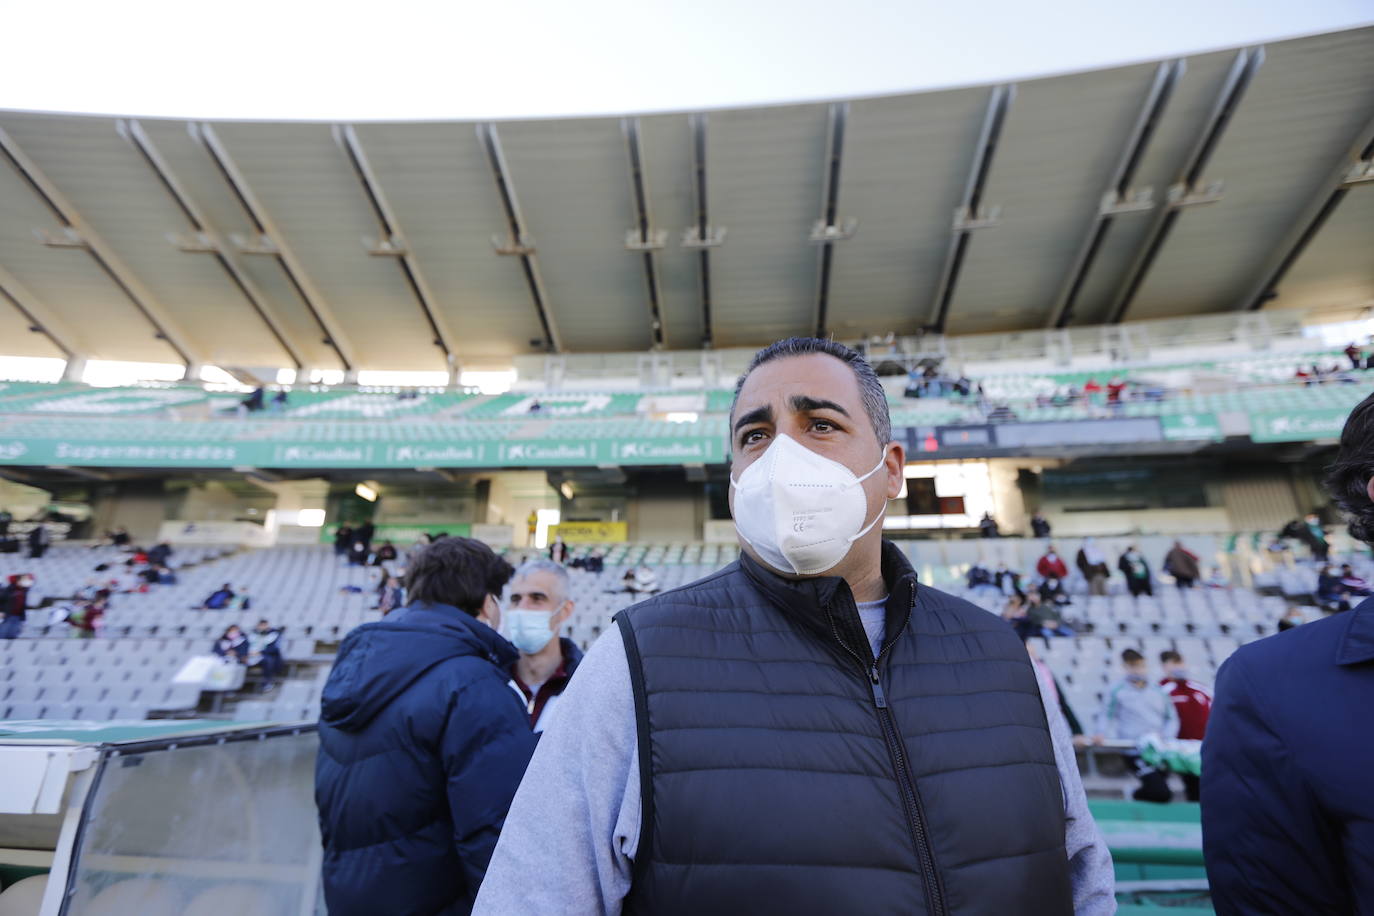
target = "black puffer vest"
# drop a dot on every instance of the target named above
(786, 771)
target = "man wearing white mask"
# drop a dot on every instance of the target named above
(808, 730)
(537, 606)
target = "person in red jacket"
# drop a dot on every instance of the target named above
(1052, 564)
(1192, 702)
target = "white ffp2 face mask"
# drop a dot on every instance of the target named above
(530, 631)
(800, 511)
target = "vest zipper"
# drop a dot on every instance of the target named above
(911, 801)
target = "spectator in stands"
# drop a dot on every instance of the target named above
(14, 604)
(343, 540)
(1182, 564)
(422, 743)
(364, 534)
(1314, 536)
(392, 595)
(264, 651)
(1287, 814)
(558, 550)
(1293, 617)
(640, 580)
(537, 607)
(1116, 389)
(1353, 584)
(980, 580)
(232, 646)
(1133, 709)
(1040, 526)
(755, 684)
(219, 599)
(1092, 390)
(254, 402)
(385, 554)
(88, 618)
(1052, 592)
(987, 526)
(39, 539)
(1051, 565)
(1046, 615)
(161, 554)
(1331, 592)
(1355, 355)
(1092, 563)
(1217, 579)
(1007, 581)
(1192, 703)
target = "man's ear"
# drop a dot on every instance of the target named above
(557, 620)
(895, 464)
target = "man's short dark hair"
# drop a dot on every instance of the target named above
(460, 572)
(1131, 656)
(1347, 480)
(1169, 656)
(870, 388)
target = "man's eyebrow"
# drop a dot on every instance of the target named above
(802, 403)
(762, 414)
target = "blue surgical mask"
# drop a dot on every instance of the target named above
(530, 631)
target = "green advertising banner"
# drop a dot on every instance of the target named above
(362, 455)
(1184, 426)
(1297, 425)
(402, 536)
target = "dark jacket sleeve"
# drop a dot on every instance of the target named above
(486, 745)
(1267, 845)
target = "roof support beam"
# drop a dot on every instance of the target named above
(519, 243)
(78, 234)
(827, 229)
(701, 236)
(270, 241)
(1119, 198)
(208, 239)
(392, 242)
(40, 319)
(1186, 191)
(971, 214)
(644, 239)
(1355, 168)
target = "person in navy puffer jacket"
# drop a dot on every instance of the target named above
(422, 743)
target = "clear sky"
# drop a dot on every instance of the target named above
(405, 59)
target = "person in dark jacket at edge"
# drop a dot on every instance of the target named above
(537, 605)
(807, 730)
(1288, 761)
(422, 743)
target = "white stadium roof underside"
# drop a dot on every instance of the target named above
(1226, 181)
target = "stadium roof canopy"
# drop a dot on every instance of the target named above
(1226, 181)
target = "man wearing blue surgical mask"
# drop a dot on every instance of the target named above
(537, 606)
(808, 730)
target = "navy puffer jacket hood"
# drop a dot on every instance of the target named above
(422, 746)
